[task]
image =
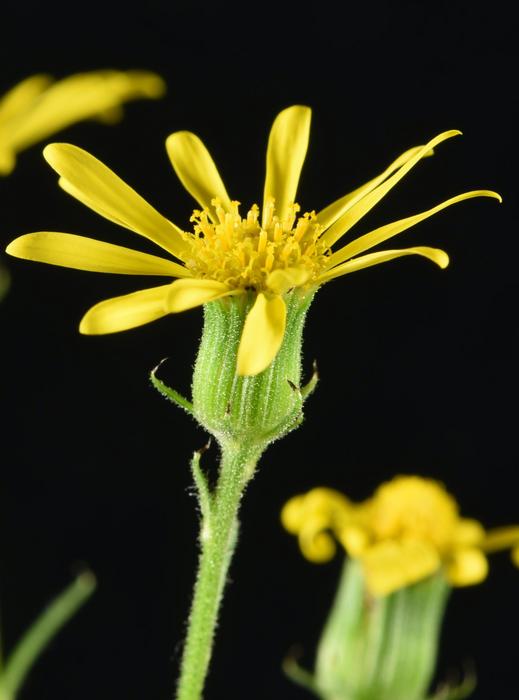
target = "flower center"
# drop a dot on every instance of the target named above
(242, 252)
(414, 508)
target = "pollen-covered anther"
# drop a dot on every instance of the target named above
(242, 252)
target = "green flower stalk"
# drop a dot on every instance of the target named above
(407, 547)
(255, 276)
(237, 412)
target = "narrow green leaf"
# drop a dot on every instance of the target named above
(168, 392)
(39, 635)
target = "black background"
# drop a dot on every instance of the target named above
(418, 366)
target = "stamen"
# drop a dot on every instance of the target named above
(262, 242)
(241, 253)
(268, 213)
(293, 210)
(252, 215)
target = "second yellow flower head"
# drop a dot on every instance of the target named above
(409, 530)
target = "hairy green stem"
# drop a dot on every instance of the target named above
(218, 533)
(244, 414)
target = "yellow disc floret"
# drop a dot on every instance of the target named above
(242, 252)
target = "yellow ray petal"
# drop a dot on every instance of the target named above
(108, 194)
(7, 158)
(280, 281)
(467, 567)
(262, 335)
(379, 235)
(501, 538)
(13, 105)
(468, 533)
(196, 170)
(67, 187)
(82, 96)
(286, 151)
(128, 311)
(22, 96)
(331, 213)
(188, 293)
(81, 253)
(391, 564)
(356, 212)
(436, 255)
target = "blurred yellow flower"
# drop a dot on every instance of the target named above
(39, 106)
(409, 530)
(266, 254)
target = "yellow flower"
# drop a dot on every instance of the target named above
(267, 254)
(409, 530)
(38, 107)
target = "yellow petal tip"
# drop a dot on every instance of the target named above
(449, 134)
(16, 248)
(489, 193)
(11, 248)
(51, 150)
(150, 84)
(443, 260)
(305, 108)
(84, 327)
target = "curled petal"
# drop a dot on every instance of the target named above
(333, 211)
(188, 293)
(102, 190)
(124, 312)
(379, 235)
(81, 253)
(436, 255)
(317, 545)
(293, 514)
(196, 170)
(286, 151)
(365, 204)
(466, 567)
(262, 335)
(321, 507)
